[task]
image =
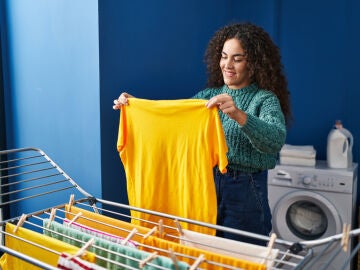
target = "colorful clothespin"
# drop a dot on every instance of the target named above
(198, 261)
(154, 229)
(270, 246)
(20, 222)
(71, 201)
(146, 260)
(130, 235)
(345, 237)
(83, 249)
(75, 218)
(179, 228)
(52, 216)
(173, 258)
(161, 228)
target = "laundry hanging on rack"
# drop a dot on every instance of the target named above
(104, 223)
(237, 249)
(100, 234)
(169, 149)
(67, 262)
(19, 241)
(111, 225)
(21, 167)
(106, 249)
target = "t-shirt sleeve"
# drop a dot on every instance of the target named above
(220, 142)
(121, 140)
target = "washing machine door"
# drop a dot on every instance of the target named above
(304, 215)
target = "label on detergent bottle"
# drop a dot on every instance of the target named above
(339, 147)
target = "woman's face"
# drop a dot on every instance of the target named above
(233, 65)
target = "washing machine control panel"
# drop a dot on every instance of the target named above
(323, 182)
(315, 178)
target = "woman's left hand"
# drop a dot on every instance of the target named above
(227, 105)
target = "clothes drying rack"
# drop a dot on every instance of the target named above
(31, 180)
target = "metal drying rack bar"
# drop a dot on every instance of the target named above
(31, 180)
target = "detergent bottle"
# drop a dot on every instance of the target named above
(339, 147)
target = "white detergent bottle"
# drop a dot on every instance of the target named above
(339, 147)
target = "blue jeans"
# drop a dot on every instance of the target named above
(242, 200)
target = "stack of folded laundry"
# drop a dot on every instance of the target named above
(301, 155)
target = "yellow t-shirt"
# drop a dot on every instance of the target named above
(168, 149)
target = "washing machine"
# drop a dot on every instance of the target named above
(310, 203)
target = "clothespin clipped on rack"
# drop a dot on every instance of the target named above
(20, 222)
(148, 259)
(154, 229)
(130, 235)
(173, 258)
(71, 201)
(345, 237)
(270, 246)
(198, 261)
(161, 228)
(179, 228)
(83, 249)
(75, 218)
(51, 218)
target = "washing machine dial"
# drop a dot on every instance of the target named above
(307, 180)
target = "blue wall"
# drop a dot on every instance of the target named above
(51, 59)
(67, 61)
(159, 54)
(154, 49)
(318, 43)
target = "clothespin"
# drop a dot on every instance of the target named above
(83, 249)
(130, 235)
(345, 236)
(270, 246)
(150, 232)
(179, 228)
(199, 260)
(71, 201)
(52, 216)
(161, 228)
(146, 260)
(75, 218)
(174, 259)
(20, 222)
(271, 242)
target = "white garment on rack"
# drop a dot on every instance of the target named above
(240, 250)
(75, 263)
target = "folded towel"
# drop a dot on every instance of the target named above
(303, 151)
(284, 160)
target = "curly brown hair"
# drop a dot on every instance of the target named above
(263, 60)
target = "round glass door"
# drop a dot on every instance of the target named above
(304, 215)
(306, 220)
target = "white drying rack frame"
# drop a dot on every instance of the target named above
(29, 178)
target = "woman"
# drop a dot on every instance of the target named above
(246, 82)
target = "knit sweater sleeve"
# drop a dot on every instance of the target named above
(206, 94)
(266, 130)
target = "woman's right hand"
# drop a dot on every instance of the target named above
(122, 100)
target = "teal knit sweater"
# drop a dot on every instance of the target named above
(254, 146)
